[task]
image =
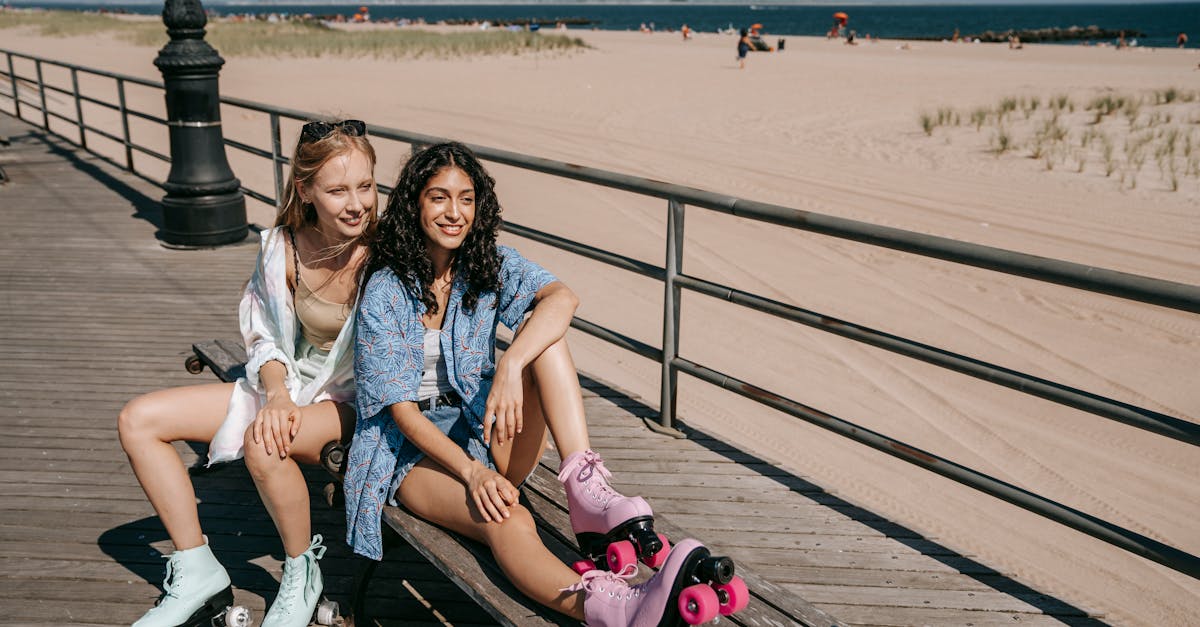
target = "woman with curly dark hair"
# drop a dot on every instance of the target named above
(448, 432)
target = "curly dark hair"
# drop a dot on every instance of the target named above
(399, 243)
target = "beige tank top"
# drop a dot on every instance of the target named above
(320, 320)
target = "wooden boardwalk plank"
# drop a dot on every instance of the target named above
(117, 314)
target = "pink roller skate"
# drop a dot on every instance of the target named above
(613, 530)
(691, 588)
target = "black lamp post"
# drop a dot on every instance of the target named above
(203, 206)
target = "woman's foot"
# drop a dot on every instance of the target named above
(195, 590)
(612, 529)
(300, 589)
(691, 588)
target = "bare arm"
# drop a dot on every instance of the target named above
(491, 492)
(553, 307)
(278, 422)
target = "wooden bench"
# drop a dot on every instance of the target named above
(472, 568)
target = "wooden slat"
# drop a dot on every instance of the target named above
(225, 358)
(471, 566)
(770, 603)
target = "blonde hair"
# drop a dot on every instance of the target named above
(309, 158)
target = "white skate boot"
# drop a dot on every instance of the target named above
(300, 590)
(196, 590)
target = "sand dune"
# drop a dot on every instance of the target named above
(833, 129)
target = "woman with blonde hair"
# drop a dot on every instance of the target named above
(297, 319)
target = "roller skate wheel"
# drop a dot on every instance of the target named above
(621, 554)
(733, 596)
(660, 558)
(715, 570)
(698, 604)
(193, 365)
(238, 616)
(583, 566)
(327, 612)
(333, 457)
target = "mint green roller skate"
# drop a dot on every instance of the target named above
(196, 592)
(299, 600)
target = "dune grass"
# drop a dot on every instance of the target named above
(299, 38)
(1119, 131)
(75, 24)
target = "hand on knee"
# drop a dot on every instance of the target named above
(258, 460)
(519, 521)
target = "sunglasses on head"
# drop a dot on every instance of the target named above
(316, 131)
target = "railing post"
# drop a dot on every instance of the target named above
(125, 124)
(42, 95)
(78, 108)
(670, 343)
(276, 159)
(12, 77)
(204, 205)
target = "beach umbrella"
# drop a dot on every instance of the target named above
(756, 26)
(841, 17)
(362, 9)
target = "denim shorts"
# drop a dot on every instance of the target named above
(454, 422)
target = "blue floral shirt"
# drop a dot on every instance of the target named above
(388, 363)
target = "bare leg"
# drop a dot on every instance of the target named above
(433, 494)
(281, 483)
(561, 398)
(553, 399)
(516, 458)
(148, 425)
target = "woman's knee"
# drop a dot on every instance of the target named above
(137, 420)
(555, 361)
(258, 461)
(519, 521)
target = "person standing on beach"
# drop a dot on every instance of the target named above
(743, 48)
(297, 320)
(1181, 40)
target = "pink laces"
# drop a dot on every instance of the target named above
(594, 580)
(590, 460)
(588, 464)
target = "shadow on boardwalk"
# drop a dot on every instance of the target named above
(986, 577)
(116, 316)
(144, 207)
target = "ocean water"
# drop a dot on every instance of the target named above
(1160, 21)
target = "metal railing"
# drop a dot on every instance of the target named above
(1168, 294)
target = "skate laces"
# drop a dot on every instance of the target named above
(614, 583)
(171, 579)
(317, 548)
(295, 575)
(589, 463)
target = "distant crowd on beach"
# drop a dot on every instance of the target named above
(363, 17)
(749, 39)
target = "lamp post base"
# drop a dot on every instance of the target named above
(203, 221)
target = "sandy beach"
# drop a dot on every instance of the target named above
(834, 129)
